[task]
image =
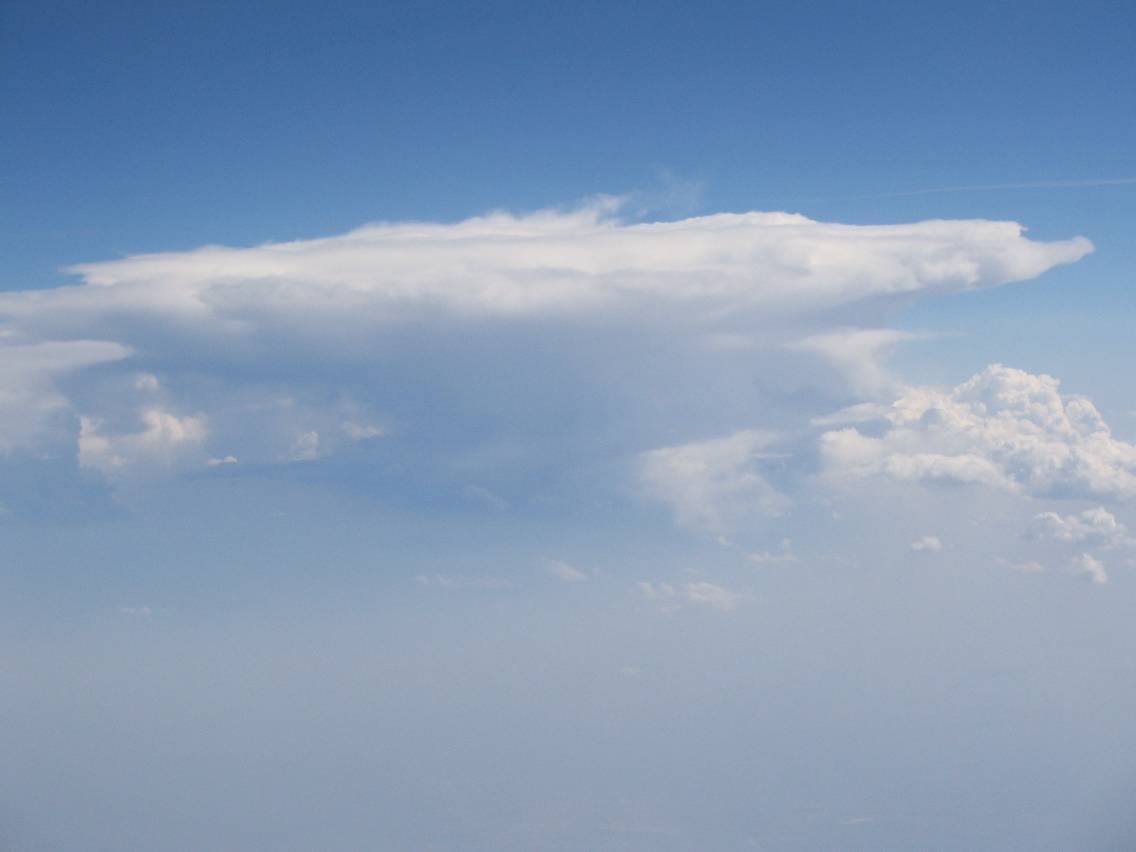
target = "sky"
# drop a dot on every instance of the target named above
(528, 426)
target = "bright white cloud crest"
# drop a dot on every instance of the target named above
(551, 262)
(1004, 428)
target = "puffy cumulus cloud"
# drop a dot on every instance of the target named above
(1003, 428)
(1087, 539)
(164, 440)
(713, 485)
(370, 333)
(1096, 526)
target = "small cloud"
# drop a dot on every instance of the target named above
(655, 591)
(305, 447)
(164, 439)
(670, 597)
(136, 611)
(710, 595)
(1090, 568)
(782, 556)
(926, 544)
(1084, 536)
(564, 571)
(1024, 567)
(663, 594)
(147, 382)
(1095, 526)
(224, 460)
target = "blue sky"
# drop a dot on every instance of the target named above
(602, 426)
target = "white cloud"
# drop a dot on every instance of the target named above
(713, 484)
(164, 440)
(655, 591)
(1091, 568)
(1003, 428)
(1088, 535)
(1094, 526)
(29, 393)
(782, 556)
(350, 326)
(709, 594)
(927, 543)
(305, 447)
(549, 262)
(671, 597)
(147, 382)
(564, 571)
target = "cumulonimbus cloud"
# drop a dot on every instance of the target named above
(216, 323)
